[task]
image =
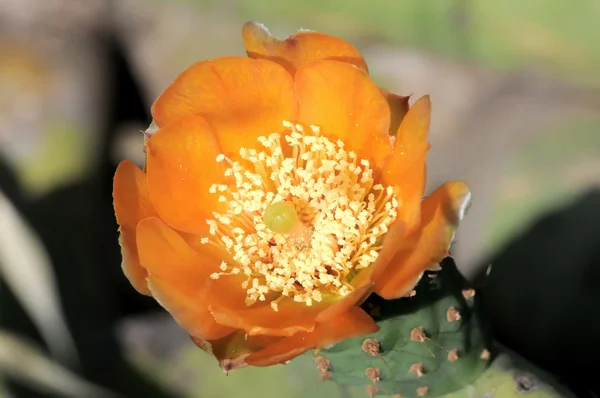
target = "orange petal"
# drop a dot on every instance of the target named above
(241, 99)
(131, 197)
(353, 323)
(409, 193)
(405, 170)
(345, 103)
(398, 109)
(441, 214)
(392, 241)
(362, 290)
(411, 140)
(299, 49)
(187, 308)
(132, 269)
(411, 137)
(132, 204)
(232, 349)
(178, 277)
(181, 167)
(291, 317)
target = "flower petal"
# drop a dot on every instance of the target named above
(398, 109)
(441, 214)
(241, 99)
(411, 137)
(346, 104)
(405, 170)
(299, 49)
(232, 349)
(179, 276)
(353, 323)
(187, 308)
(181, 167)
(135, 273)
(132, 204)
(362, 290)
(131, 197)
(291, 317)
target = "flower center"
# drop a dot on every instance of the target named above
(281, 217)
(300, 226)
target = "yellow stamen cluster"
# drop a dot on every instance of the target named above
(342, 211)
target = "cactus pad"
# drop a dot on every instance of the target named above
(430, 343)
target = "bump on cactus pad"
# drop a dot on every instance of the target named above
(430, 343)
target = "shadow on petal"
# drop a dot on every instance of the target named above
(292, 317)
(398, 109)
(232, 350)
(362, 290)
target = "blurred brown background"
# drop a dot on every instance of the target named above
(516, 112)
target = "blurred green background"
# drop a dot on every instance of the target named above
(514, 85)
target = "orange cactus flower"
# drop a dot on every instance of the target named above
(279, 191)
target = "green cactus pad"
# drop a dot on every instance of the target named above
(429, 344)
(510, 376)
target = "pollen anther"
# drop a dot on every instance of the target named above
(300, 225)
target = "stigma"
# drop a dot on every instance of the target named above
(302, 225)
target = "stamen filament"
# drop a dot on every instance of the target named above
(300, 226)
